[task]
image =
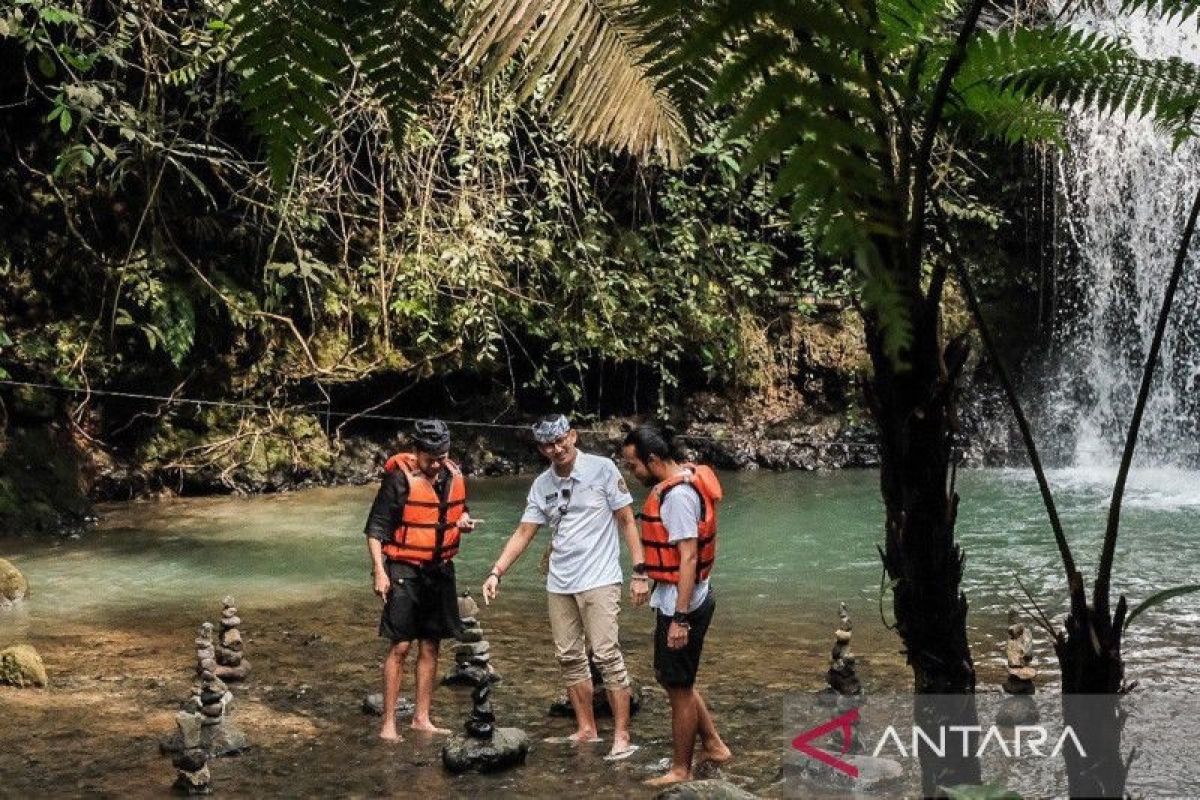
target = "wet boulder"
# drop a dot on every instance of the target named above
(506, 748)
(373, 704)
(20, 665)
(13, 586)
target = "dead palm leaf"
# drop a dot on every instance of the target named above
(593, 60)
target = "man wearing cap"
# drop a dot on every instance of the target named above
(584, 500)
(413, 534)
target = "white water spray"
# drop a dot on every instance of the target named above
(1127, 195)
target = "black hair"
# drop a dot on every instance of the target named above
(648, 440)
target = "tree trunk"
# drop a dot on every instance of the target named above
(914, 409)
(1093, 672)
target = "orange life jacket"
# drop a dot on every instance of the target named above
(428, 529)
(662, 557)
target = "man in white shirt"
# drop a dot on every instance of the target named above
(584, 501)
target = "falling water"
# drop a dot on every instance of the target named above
(1127, 193)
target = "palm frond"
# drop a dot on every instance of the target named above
(596, 63)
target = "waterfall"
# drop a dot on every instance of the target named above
(1126, 194)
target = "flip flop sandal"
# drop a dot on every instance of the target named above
(623, 754)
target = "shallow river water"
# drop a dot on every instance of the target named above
(114, 614)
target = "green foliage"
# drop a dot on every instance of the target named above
(1158, 598)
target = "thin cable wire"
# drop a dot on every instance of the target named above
(325, 411)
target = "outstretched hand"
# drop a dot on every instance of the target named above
(491, 588)
(466, 523)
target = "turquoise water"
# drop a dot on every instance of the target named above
(113, 614)
(792, 545)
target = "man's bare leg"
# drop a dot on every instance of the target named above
(684, 723)
(393, 674)
(712, 747)
(585, 718)
(427, 657)
(618, 701)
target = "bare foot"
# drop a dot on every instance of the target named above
(389, 734)
(583, 737)
(673, 776)
(717, 755)
(428, 727)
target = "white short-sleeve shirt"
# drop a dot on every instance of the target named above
(579, 510)
(680, 514)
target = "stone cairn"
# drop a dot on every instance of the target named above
(845, 690)
(485, 747)
(231, 664)
(472, 655)
(1019, 707)
(191, 761)
(209, 703)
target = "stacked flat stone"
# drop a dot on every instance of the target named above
(1019, 707)
(231, 663)
(841, 676)
(210, 703)
(473, 654)
(484, 747)
(191, 761)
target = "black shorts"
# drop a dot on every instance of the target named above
(422, 604)
(677, 668)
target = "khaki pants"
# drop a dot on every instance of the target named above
(583, 620)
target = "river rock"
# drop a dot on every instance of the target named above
(20, 665)
(1018, 709)
(471, 635)
(13, 586)
(600, 708)
(470, 675)
(873, 773)
(465, 651)
(711, 789)
(507, 747)
(373, 704)
(194, 784)
(223, 739)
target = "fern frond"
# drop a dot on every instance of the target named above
(289, 55)
(1007, 117)
(905, 23)
(1074, 68)
(798, 78)
(400, 46)
(1178, 11)
(599, 82)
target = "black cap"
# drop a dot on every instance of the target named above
(432, 436)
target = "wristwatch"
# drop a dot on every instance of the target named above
(681, 618)
(639, 570)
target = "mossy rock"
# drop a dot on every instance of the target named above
(13, 586)
(20, 665)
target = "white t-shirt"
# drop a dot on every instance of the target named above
(579, 510)
(680, 513)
